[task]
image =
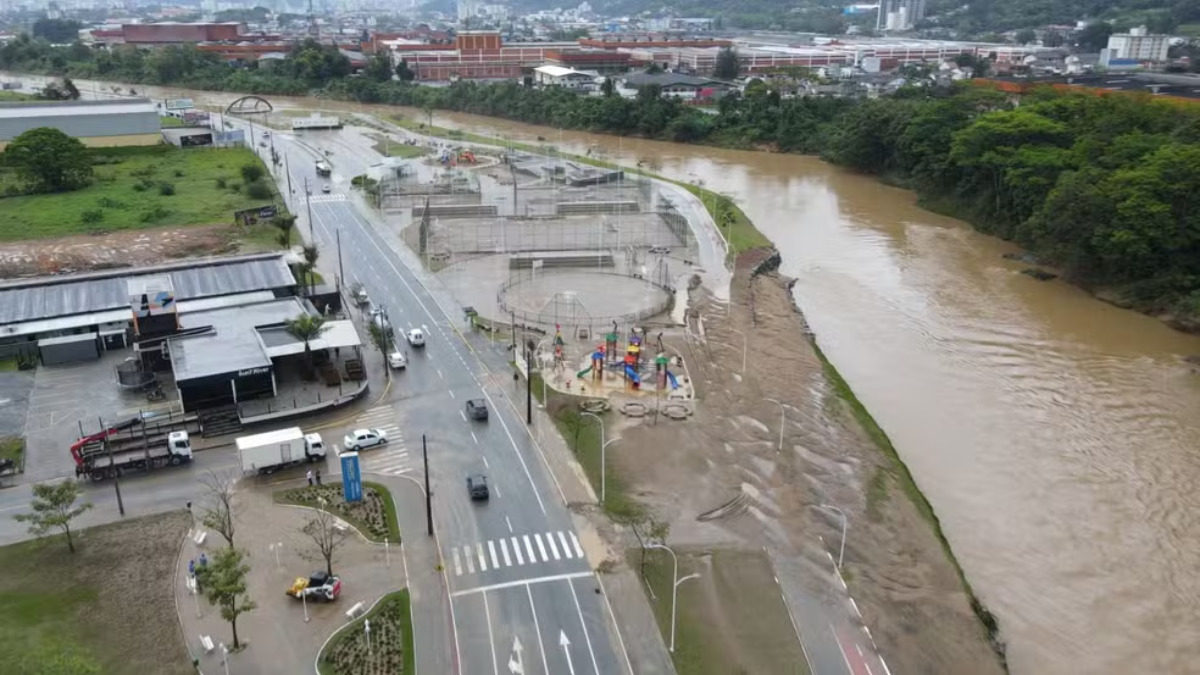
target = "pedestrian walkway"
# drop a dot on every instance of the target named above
(390, 459)
(515, 551)
(317, 199)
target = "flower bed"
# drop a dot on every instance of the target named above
(391, 646)
(374, 516)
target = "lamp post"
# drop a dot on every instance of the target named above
(674, 588)
(842, 549)
(225, 657)
(602, 446)
(745, 344)
(782, 422)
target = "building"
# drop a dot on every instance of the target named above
(474, 55)
(602, 61)
(685, 87)
(899, 15)
(149, 34)
(567, 78)
(96, 123)
(1139, 45)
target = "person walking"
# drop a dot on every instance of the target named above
(310, 478)
(318, 477)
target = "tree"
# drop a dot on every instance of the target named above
(284, 222)
(60, 91)
(311, 254)
(219, 516)
(379, 67)
(57, 31)
(608, 87)
(53, 509)
(1025, 36)
(323, 529)
(1053, 38)
(223, 583)
(251, 173)
(404, 73)
(728, 66)
(1094, 36)
(307, 327)
(49, 160)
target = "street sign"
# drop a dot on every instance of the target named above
(351, 478)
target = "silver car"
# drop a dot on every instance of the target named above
(364, 438)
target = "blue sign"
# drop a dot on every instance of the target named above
(351, 478)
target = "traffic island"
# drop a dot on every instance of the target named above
(374, 516)
(386, 649)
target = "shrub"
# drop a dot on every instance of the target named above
(222, 183)
(110, 203)
(155, 214)
(178, 173)
(258, 190)
(91, 216)
(166, 189)
(251, 173)
(145, 172)
(235, 187)
(139, 187)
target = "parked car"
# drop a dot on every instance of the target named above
(477, 409)
(396, 361)
(416, 337)
(477, 487)
(364, 438)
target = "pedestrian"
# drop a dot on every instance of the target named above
(310, 478)
(203, 560)
(318, 477)
(192, 568)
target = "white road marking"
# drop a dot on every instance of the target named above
(451, 392)
(578, 548)
(440, 375)
(553, 548)
(496, 490)
(492, 553)
(541, 547)
(470, 560)
(485, 462)
(521, 582)
(482, 560)
(586, 638)
(537, 629)
(487, 614)
(529, 547)
(504, 550)
(457, 563)
(517, 551)
(463, 414)
(563, 539)
(508, 523)
(476, 439)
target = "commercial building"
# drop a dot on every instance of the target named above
(685, 87)
(96, 123)
(602, 61)
(148, 34)
(474, 55)
(1139, 45)
(567, 78)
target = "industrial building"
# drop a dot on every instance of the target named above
(149, 34)
(96, 123)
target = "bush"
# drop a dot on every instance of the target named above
(91, 216)
(251, 173)
(222, 183)
(258, 190)
(166, 189)
(235, 187)
(110, 203)
(155, 214)
(178, 173)
(139, 187)
(145, 172)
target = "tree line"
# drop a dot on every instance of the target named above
(1105, 187)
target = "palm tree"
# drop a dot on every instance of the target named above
(307, 327)
(311, 254)
(285, 223)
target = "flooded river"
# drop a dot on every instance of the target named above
(1055, 435)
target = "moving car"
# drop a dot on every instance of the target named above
(416, 337)
(325, 188)
(477, 487)
(364, 438)
(396, 361)
(319, 586)
(477, 409)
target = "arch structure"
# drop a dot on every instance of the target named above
(250, 105)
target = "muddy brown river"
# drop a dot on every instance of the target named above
(1055, 435)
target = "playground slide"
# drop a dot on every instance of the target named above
(674, 382)
(632, 374)
(583, 372)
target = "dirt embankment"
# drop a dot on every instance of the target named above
(720, 480)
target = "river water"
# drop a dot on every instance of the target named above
(1054, 434)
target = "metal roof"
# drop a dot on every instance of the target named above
(87, 293)
(234, 343)
(44, 109)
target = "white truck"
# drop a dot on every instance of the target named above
(275, 450)
(323, 168)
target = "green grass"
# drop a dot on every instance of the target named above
(260, 237)
(9, 364)
(13, 447)
(193, 172)
(392, 613)
(9, 96)
(351, 513)
(1191, 30)
(389, 510)
(170, 122)
(394, 149)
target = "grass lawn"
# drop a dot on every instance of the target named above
(374, 516)
(9, 364)
(169, 122)
(391, 650)
(117, 200)
(109, 608)
(9, 96)
(13, 447)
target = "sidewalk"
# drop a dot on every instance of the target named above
(275, 637)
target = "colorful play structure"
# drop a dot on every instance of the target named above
(451, 158)
(608, 356)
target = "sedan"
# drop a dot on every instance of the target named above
(364, 438)
(396, 360)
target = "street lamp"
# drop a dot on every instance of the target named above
(602, 446)
(745, 344)
(674, 588)
(842, 549)
(604, 468)
(225, 657)
(782, 422)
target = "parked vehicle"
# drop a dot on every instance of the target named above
(379, 320)
(274, 450)
(319, 586)
(108, 458)
(364, 438)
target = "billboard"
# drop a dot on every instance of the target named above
(351, 478)
(180, 104)
(247, 217)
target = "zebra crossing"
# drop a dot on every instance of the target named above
(390, 459)
(515, 551)
(317, 199)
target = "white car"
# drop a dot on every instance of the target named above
(364, 438)
(396, 360)
(416, 337)
(326, 188)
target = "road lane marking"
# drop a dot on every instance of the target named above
(476, 439)
(521, 582)
(492, 553)
(485, 462)
(457, 563)
(575, 543)
(439, 372)
(586, 638)
(563, 539)
(487, 614)
(508, 523)
(541, 547)
(517, 551)
(482, 560)
(504, 550)
(537, 629)
(470, 560)
(529, 547)
(463, 414)
(553, 548)
(451, 392)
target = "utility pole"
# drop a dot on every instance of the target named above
(288, 170)
(528, 386)
(111, 466)
(312, 233)
(428, 496)
(341, 272)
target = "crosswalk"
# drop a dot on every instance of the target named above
(391, 459)
(515, 551)
(317, 199)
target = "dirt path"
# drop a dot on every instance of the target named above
(124, 248)
(719, 480)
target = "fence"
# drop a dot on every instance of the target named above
(565, 309)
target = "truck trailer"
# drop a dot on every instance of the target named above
(105, 461)
(274, 450)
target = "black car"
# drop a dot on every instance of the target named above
(477, 409)
(477, 487)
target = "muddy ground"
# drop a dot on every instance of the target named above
(124, 248)
(719, 480)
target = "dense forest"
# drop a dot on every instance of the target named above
(1107, 188)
